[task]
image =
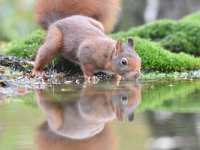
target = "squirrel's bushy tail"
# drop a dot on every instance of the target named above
(105, 11)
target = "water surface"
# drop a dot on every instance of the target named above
(153, 115)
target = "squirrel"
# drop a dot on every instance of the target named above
(81, 39)
(49, 11)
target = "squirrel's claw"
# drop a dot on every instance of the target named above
(93, 79)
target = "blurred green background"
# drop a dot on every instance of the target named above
(17, 18)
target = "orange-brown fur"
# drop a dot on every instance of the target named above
(81, 39)
(49, 49)
(49, 11)
(45, 139)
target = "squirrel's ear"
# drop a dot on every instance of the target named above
(131, 42)
(114, 53)
(119, 46)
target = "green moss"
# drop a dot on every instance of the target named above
(176, 36)
(194, 17)
(187, 75)
(170, 43)
(156, 58)
(26, 47)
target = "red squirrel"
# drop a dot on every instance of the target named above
(49, 11)
(81, 39)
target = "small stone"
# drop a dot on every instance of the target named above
(2, 83)
(67, 90)
(68, 82)
(77, 81)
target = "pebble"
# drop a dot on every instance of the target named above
(68, 82)
(2, 83)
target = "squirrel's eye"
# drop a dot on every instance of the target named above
(124, 100)
(124, 61)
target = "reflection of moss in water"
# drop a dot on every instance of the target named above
(57, 95)
(189, 103)
(176, 96)
(166, 96)
(28, 100)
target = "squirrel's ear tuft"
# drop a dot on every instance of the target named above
(131, 42)
(119, 45)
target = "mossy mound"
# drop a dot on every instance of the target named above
(175, 36)
(152, 42)
(156, 58)
(27, 46)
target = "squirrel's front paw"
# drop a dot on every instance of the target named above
(36, 73)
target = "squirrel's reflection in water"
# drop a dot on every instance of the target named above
(82, 123)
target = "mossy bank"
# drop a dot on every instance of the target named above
(154, 41)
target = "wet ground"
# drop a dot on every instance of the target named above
(150, 115)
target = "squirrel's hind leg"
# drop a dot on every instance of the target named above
(51, 46)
